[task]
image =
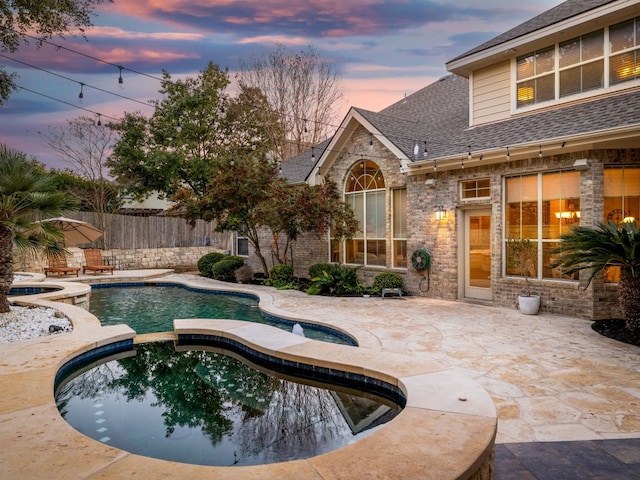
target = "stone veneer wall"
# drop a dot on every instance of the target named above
(181, 258)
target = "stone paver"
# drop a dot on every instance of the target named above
(552, 378)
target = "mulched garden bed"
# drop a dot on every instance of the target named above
(615, 328)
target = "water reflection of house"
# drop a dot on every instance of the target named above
(361, 413)
(533, 132)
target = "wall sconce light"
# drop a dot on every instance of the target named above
(581, 164)
(441, 213)
(431, 182)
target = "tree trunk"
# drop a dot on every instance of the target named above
(6, 267)
(629, 295)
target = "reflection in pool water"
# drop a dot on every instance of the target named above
(206, 408)
(150, 308)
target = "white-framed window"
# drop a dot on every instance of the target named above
(475, 189)
(399, 229)
(365, 193)
(242, 246)
(601, 59)
(541, 207)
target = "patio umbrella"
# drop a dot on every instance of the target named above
(75, 231)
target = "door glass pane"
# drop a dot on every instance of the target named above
(480, 251)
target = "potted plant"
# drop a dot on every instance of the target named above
(522, 256)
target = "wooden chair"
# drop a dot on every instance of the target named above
(58, 265)
(95, 262)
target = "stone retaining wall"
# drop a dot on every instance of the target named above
(179, 258)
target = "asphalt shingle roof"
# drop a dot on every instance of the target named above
(439, 115)
(565, 10)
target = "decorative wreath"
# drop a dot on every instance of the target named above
(420, 259)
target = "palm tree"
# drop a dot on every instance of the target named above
(27, 193)
(604, 246)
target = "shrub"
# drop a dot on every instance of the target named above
(244, 274)
(206, 262)
(337, 280)
(387, 280)
(225, 269)
(281, 273)
(316, 269)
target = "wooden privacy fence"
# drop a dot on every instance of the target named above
(137, 232)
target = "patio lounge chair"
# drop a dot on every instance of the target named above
(95, 262)
(58, 265)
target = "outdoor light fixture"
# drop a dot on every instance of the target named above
(441, 213)
(581, 164)
(431, 182)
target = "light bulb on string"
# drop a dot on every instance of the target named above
(120, 79)
(81, 94)
(99, 121)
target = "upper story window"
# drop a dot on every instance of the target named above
(579, 65)
(536, 77)
(624, 41)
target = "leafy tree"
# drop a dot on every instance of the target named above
(206, 152)
(292, 210)
(212, 155)
(26, 194)
(42, 19)
(604, 246)
(82, 189)
(304, 91)
(85, 145)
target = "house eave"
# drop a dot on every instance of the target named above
(624, 137)
(551, 34)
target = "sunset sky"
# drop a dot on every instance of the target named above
(384, 50)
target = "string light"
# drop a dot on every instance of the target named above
(121, 81)
(99, 122)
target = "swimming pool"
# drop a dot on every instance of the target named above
(206, 408)
(152, 307)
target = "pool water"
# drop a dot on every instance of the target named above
(207, 408)
(151, 309)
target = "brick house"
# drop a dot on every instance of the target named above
(532, 132)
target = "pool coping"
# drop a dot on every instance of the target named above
(446, 430)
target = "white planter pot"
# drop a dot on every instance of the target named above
(529, 304)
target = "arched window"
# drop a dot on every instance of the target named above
(365, 193)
